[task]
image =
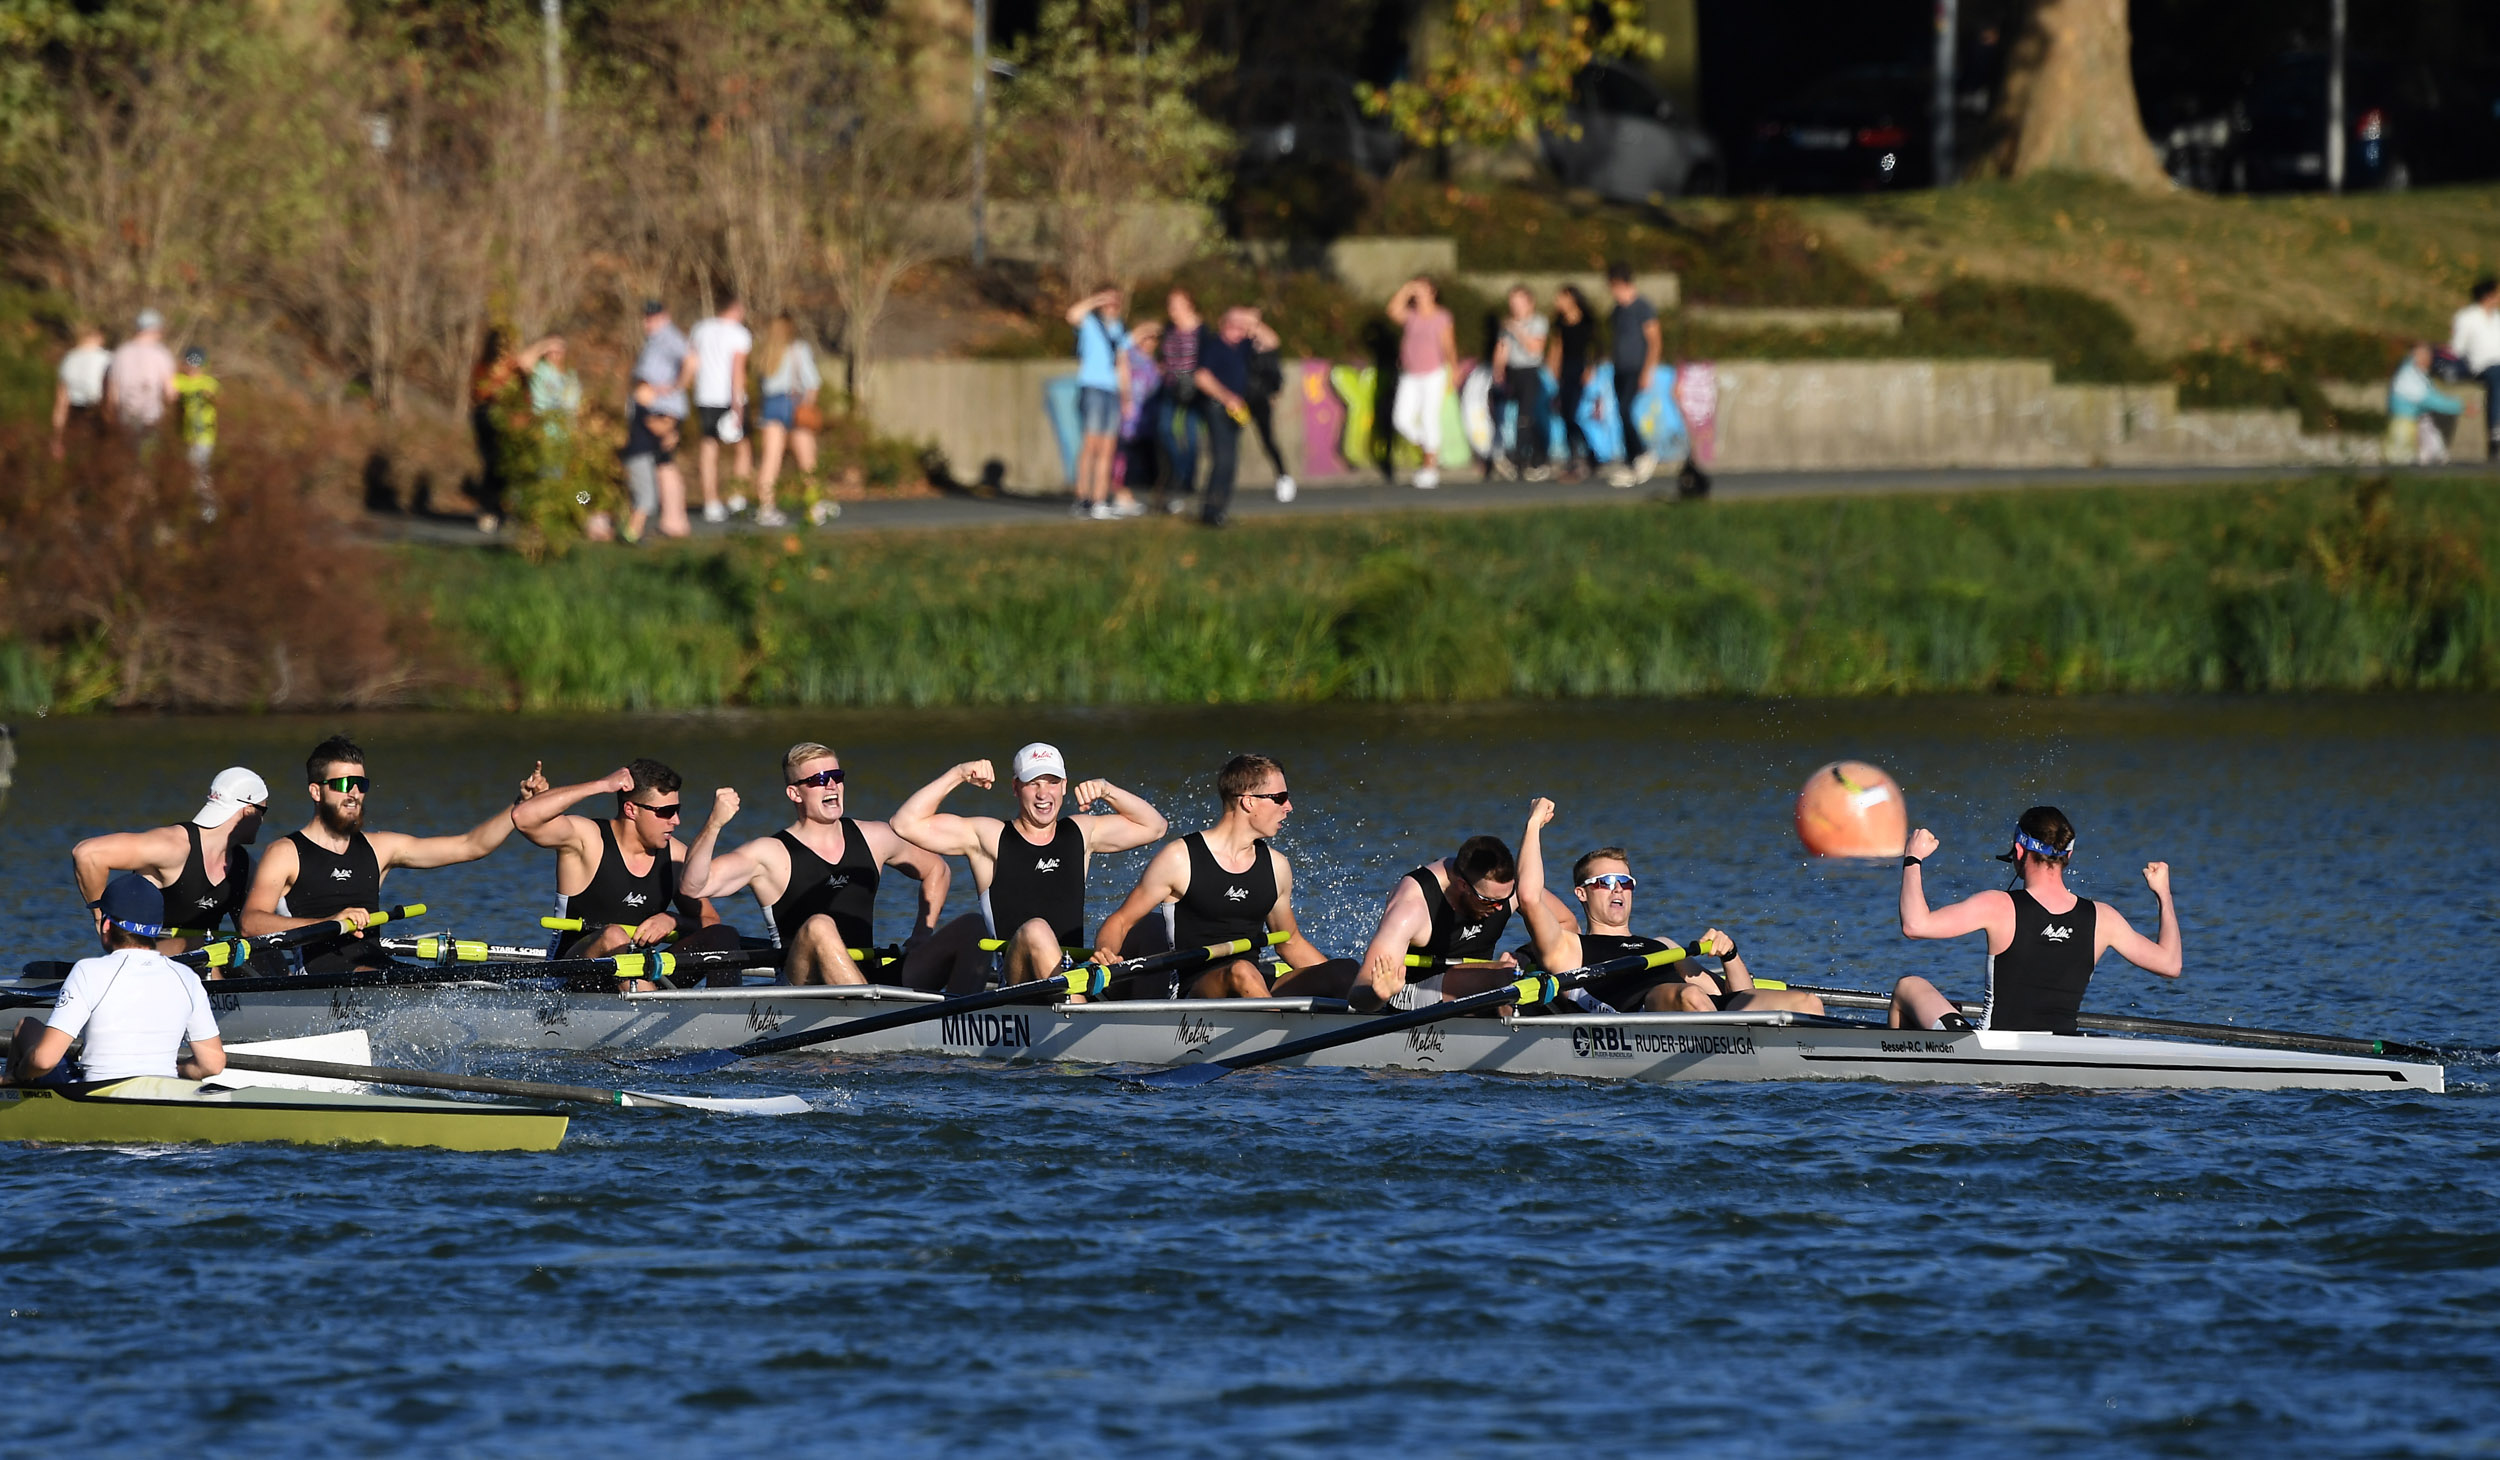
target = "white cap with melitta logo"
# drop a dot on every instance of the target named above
(1038, 760)
(234, 789)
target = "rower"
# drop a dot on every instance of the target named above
(817, 878)
(333, 868)
(1604, 884)
(623, 906)
(2042, 938)
(1451, 912)
(1220, 884)
(178, 858)
(135, 1005)
(1031, 870)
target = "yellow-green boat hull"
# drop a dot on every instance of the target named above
(155, 1111)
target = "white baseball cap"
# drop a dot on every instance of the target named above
(1038, 760)
(234, 789)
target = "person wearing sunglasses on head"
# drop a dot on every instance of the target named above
(179, 859)
(1451, 911)
(332, 870)
(1218, 885)
(619, 875)
(817, 878)
(1603, 882)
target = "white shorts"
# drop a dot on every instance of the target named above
(1417, 411)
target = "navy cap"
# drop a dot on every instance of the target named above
(651, 307)
(134, 903)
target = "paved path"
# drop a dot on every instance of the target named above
(1471, 495)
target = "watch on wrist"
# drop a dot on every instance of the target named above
(1908, 861)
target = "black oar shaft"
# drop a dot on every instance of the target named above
(426, 1080)
(2173, 1028)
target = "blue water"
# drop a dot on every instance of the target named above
(946, 1258)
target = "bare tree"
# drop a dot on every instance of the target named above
(2069, 101)
(885, 176)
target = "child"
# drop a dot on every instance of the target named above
(2411, 402)
(196, 390)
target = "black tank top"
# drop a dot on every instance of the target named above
(845, 891)
(328, 883)
(192, 901)
(1623, 991)
(616, 895)
(1451, 938)
(1046, 882)
(1221, 906)
(2037, 983)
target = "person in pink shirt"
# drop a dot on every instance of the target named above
(1427, 353)
(139, 384)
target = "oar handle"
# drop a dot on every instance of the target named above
(577, 925)
(237, 950)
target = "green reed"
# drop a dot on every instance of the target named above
(2307, 585)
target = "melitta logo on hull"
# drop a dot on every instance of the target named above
(1616, 1042)
(986, 1031)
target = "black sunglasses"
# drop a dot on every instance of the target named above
(345, 784)
(821, 778)
(664, 813)
(1281, 798)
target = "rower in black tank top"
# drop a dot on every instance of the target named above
(1623, 991)
(616, 895)
(192, 901)
(1221, 906)
(1451, 938)
(1046, 882)
(845, 891)
(328, 883)
(2037, 983)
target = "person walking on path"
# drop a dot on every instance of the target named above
(78, 398)
(1181, 412)
(1427, 354)
(2474, 337)
(139, 383)
(2412, 401)
(1224, 377)
(1101, 341)
(718, 375)
(1519, 369)
(1567, 354)
(1637, 348)
(1267, 381)
(196, 390)
(655, 425)
(791, 380)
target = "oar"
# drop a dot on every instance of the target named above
(444, 948)
(617, 965)
(228, 952)
(576, 925)
(2182, 1029)
(518, 1089)
(1096, 979)
(1534, 989)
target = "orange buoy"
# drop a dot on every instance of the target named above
(1852, 809)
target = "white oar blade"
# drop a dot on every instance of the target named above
(756, 1105)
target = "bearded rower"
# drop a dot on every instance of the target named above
(201, 865)
(619, 875)
(1452, 912)
(1604, 884)
(1222, 884)
(2042, 938)
(332, 870)
(1030, 871)
(817, 878)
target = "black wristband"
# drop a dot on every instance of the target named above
(1913, 861)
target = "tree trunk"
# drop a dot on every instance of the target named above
(2069, 102)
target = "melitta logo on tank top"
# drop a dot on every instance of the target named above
(1236, 893)
(340, 874)
(1469, 931)
(1047, 864)
(634, 899)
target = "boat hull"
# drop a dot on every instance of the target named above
(1649, 1047)
(157, 1111)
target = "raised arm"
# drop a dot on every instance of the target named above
(2166, 957)
(927, 867)
(1132, 822)
(919, 822)
(1166, 877)
(541, 818)
(1552, 930)
(1978, 914)
(94, 861)
(1296, 950)
(1401, 304)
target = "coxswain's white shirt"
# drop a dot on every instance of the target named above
(717, 345)
(2474, 337)
(136, 1007)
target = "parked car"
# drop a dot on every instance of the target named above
(1865, 128)
(1632, 145)
(1295, 118)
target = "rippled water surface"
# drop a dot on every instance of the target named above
(946, 1258)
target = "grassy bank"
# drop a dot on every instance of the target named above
(2296, 586)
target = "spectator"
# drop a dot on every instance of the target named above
(1180, 411)
(718, 374)
(78, 401)
(1637, 347)
(1137, 460)
(196, 389)
(555, 400)
(1101, 341)
(139, 383)
(1519, 370)
(2411, 403)
(2474, 337)
(490, 376)
(655, 425)
(1224, 380)
(1427, 353)
(791, 380)
(1567, 355)
(1267, 381)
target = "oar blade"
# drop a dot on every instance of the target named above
(699, 1062)
(725, 1105)
(1174, 1077)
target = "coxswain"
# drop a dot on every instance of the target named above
(1452, 913)
(332, 870)
(1219, 885)
(201, 865)
(816, 878)
(1030, 870)
(135, 1006)
(618, 875)
(2042, 938)
(1602, 880)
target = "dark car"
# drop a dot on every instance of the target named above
(1303, 118)
(1864, 129)
(1628, 144)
